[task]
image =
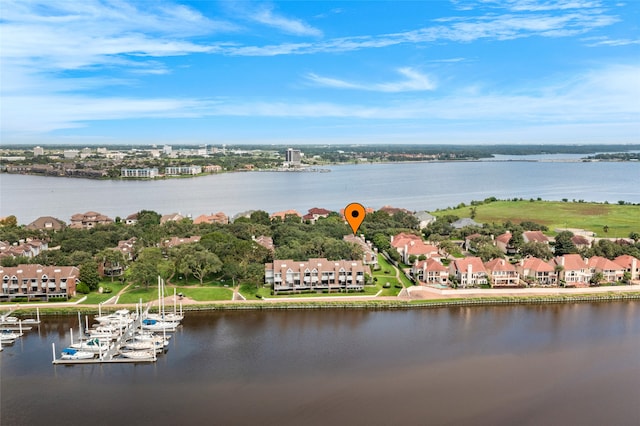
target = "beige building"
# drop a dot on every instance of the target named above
(316, 274)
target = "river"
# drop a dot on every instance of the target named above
(415, 186)
(504, 365)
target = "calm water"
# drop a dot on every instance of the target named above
(537, 365)
(415, 186)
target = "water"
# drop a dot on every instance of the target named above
(524, 365)
(416, 186)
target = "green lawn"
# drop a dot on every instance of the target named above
(621, 220)
(94, 297)
(135, 293)
(202, 294)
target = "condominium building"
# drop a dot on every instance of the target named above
(316, 274)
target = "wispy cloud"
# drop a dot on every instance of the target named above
(266, 16)
(414, 81)
(492, 26)
(606, 41)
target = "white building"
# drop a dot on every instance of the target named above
(148, 173)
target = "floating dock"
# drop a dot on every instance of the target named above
(112, 355)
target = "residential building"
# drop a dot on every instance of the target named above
(393, 210)
(293, 158)
(132, 219)
(469, 271)
(409, 245)
(146, 173)
(265, 241)
(89, 220)
(502, 242)
(70, 153)
(182, 170)
(424, 219)
(126, 247)
(465, 221)
(630, 264)
(537, 271)
(502, 273)
(430, 272)
(581, 242)
(316, 274)
(316, 213)
(574, 271)
(212, 169)
(37, 282)
(611, 271)
(173, 217)
(535, 236)
(370, 254)
(212, 218)
(46, 223)
(176, 241)
(283, 215)
(38, 151)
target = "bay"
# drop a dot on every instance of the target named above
(525, 365)
(415, 186)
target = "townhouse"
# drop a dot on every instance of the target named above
(37, 282)
(409, 245)
(574, 269)
(316, 274)
(611, 271)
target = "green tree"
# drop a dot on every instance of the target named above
(563, 244)
(149, 265)
(9, 222)
(536, 249)
(89, 274)
(113, 262)
(596, 278)
(488, 251)
(202, 262)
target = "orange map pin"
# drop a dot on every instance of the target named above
(354, 213)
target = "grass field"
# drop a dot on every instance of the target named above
(204, 293)
(94, 297)
(620, 219)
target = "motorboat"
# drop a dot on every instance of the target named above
(94, 345)
(155, 325)
(140, 355)
(71, 353)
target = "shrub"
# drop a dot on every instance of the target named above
(82, 288)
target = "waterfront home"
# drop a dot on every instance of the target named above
(430, 272)
(630, 264)
(37, 282)
(89, 220)
(29, 248)
(393, 210)
(611, 271)
(315, 275)
(469, 271)
(537, 271)
(46, 223)
(574, 269)
(502, 273)
(409, 245)
(219, 217)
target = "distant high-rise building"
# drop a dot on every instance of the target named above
(166, 150)
(293, 157)
(37, 151)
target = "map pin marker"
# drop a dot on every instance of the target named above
(354, 213)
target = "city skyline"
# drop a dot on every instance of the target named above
(459, 72)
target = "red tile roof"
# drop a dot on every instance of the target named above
(499, 265)
(537, 236)
(572, 262)
(604, 264)
(626, 261)
(504, 238)
(475, 262)
(432, 265)
(537, 265)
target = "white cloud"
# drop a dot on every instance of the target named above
(414, 81)
(266, 16)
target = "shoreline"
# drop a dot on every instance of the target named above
(370, 303)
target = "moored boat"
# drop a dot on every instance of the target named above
(71, 353)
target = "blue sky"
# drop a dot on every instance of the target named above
(293, 72)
